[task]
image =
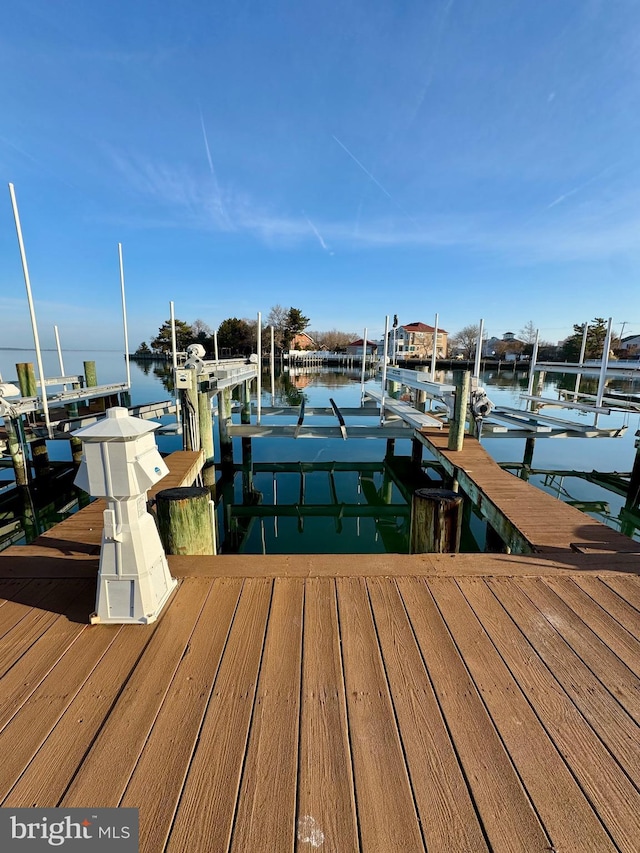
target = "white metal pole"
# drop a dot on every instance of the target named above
(435, 348)
(124, 318)
(215, 345)
(476, 369)
(259, 377)
(32, 313)
(583, 349)
(364, 363)
(272, 365)
(532, 364)
(58, 347)
(174, 359)
(604, 365)
(385, 354)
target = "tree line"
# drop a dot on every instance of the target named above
(238, 336)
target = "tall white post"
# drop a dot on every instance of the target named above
(583, 349)
(435, 350)
(476, 369)
(32, 312)
(604, 365)
(364, 364)
(59, 348)
(215, 345)
(272, 365)
(174, 359)
(532, 364)
(385, 354)
(124, 318)
(259, 385)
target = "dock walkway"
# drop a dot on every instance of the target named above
(370, 703)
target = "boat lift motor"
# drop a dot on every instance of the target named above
(7, 389)
(120, 463)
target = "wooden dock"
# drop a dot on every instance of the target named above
(469, 702)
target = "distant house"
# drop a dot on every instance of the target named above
(302, 341)
(415, 340)
(355, 347)
(630, 345)
(507, 347)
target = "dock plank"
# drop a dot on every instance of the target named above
(614, 636)
(107, 768)
(446, 810)
(619, 680)
(205, 815)
(508, 817)
(264, 816)
(607, 717)
(612, 603)
(613, 796)
(47, 777)
(388, 818)
(563, 809)
(326, 815)
(169, 746)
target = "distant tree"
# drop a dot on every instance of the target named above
(295, 323)
(333, 340)
(277, 317)
(143, 349)
(162, 342)
(201, 333)
(465, 340)
(236, 336)
(596, 334)
(528, 332)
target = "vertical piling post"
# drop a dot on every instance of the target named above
(364, 364)
(436, 522)
(16, 452)
(205, 422)
(434, 352)
(224, 422)
(185, 520)
(27, 379)
(457, 425)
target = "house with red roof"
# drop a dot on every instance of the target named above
(415, 340)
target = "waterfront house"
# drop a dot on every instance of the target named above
(355, 347)
(415, 340)
(508, 347)
(302, 341)
(630, 346)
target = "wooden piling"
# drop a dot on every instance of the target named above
(189, 413)
(40, 456)
(76, 450)
(90, 374)
(27, 379)
(224, 422)
(457, 424)
(184, 520)
(436, 522)
(205, 422)
(16, 452)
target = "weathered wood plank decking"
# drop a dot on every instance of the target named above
(343, 703)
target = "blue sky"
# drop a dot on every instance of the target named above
(475, 158)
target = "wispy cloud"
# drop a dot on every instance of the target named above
(214, 176)
(318, 235)
(581, 186)
(181, 199)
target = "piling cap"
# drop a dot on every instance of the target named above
(117, 426)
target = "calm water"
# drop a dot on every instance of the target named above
(366, 484)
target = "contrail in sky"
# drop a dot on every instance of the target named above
(317, 233)
(375, 181)
(580, 187)
(213, 171)
(366, 171)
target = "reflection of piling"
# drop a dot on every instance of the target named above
(457, 424)
(436, 521)
(16, 452)
(185, 520)
(633, 493)
(224, 423)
